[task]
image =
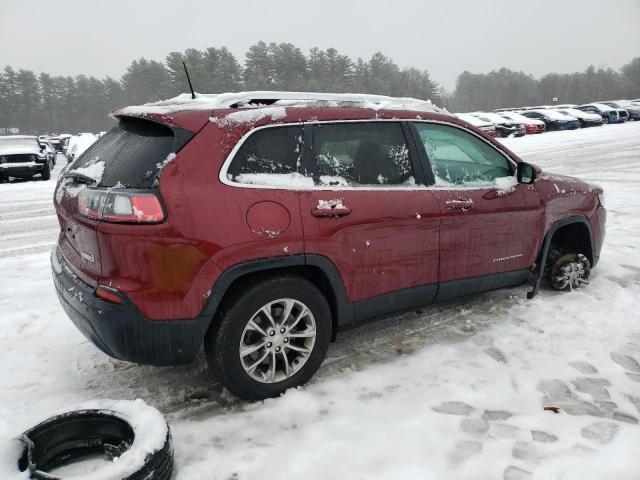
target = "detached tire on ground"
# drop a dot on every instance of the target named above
(66, 438)
(269, 336)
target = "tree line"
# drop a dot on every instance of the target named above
(45, 103)
(506, 88)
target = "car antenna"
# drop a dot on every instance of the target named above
(193, 94)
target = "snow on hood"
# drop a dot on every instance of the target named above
(18, 150)
(229, 100)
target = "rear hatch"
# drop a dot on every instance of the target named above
(128, 158)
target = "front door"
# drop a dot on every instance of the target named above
(491, 225)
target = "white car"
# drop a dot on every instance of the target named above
(78, 144)
(586, 119)
(504, 127)
(531, 125)
(483, 125)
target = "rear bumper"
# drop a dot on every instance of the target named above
(121, 331)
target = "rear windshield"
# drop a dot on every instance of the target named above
(132, 154)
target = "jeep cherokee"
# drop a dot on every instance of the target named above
(260, 223)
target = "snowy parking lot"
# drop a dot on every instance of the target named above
(451, 391)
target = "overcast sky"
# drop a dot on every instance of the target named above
(446, 37)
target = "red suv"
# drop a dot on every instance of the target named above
(261, 223)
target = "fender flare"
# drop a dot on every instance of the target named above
(343, 312)
(555, 226)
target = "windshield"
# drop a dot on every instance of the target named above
(18, 142)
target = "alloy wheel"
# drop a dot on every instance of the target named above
(277, 340)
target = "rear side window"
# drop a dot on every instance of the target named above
(271, 156)
(131, 154)
(361, 154)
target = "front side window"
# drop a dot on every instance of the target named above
(460, 158)
(360, 154)
(270, 156)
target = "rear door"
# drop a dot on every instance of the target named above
(491, 225)
(370, 214)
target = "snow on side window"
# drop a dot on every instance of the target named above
(458, 158)
(361, 154)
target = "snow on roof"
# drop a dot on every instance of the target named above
(259, 99)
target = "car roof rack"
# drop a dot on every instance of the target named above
(257, 99)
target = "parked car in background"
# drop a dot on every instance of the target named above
(487, 127)
(609, 114)
(553, 119)
(504, 127)
(565, 105)
(64, 141)
(264, 230)
(49, 148)
(22, 156)
(78, 144)
(531, 125)
(586, 119)
(632, 110)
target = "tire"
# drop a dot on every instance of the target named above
(569, 271)
(231, 330)
(61, 439)
(605, 119)
(46, 172)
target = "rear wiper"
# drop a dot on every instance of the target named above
(80, 177)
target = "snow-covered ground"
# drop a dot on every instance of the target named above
(451, 391)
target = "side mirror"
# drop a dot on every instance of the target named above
(526, 173)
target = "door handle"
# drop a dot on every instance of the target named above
(330, 212)
(462, 204)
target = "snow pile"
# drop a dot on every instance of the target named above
(94, 170)
(505, 185)
(278, 180)
(330, 204)
(251, 115)
(242, 99)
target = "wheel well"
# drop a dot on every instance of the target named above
(309, 272)
(574, 237)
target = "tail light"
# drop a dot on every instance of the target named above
(120, 206)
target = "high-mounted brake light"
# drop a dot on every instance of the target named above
(120, 206)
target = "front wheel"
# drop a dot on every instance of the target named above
(46, 171)
(269, 338)
(569, 271)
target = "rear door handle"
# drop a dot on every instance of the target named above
(330, 212)
(462, 204)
